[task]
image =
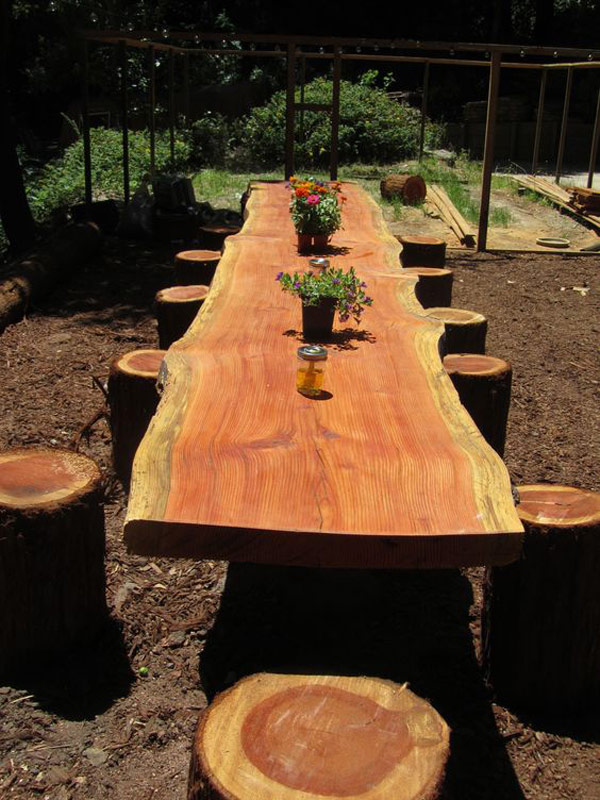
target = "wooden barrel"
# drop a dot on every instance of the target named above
(52, 584)
(483, 384)
(133, 399)
(196, 267)
(465, 330)
(541, 615)
(176, 308)
(422, 251)
(314, 736)
(434, 285)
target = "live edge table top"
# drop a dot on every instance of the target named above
(387, 470)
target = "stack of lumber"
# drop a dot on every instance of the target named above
(559, 196)
(438, 198)
(586, 201)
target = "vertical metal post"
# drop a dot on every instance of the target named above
(539, 122)
(152, 104)
(594, 148)
(124, 119)
(290, 102)
(85, 113)
(186, 88)
(563, 127)
(335, 112)
(488, 151)
(424, 109)
(172, 106)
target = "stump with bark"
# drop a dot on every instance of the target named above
(422, 251)
(285, 736)
(465, 330)
(196, 267)
(541, 614)
(434, 285)
(212, 237)
(133, 399)
(411, 188)
(483, 384)
(176, 309)
(52, 585)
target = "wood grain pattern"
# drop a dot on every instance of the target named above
(280, 737)
(388, 470)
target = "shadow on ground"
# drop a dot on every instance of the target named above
(403, 626)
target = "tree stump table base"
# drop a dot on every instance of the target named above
(542, 614)
(196, 267)
(465, 330)
(133, 399)
(52, 585)
(434, 286)
(276, 737)
(483, 384)
(176, 308)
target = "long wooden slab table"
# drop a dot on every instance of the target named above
(387, 471)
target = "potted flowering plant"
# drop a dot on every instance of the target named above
(315, 211)
(322, 294)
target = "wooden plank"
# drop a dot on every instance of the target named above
(388, 470)
(451, 215)
(558, 196)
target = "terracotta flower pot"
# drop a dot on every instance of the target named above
(304, 242)
(317, 321)
(320, 241)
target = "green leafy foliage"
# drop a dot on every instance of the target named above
(373, 128)
(209, 140)
(61, 182)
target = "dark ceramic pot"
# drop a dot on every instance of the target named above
(304, 242)
(317, 321)
(320, 241)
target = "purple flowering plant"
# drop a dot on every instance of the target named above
(345, 288)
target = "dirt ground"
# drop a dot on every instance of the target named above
(92, 727)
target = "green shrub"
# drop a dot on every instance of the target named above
(373, 128)
(61, 182)
(209, 140)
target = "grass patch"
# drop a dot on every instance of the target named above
(500, 217)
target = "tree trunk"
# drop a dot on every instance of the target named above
(287, 736)
(133, 399)
(483, 384)
(542, 614)
(465, 330)
(30, 278)
(422, 251)
(51, 553)
(196, 267)
(434, 287)
(411, 188)
(176, 308)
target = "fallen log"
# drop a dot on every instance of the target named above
(411, 188)
(30, 278)
(314, 736)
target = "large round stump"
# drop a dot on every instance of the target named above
(133, 399)
(213, 236)
(51, 553)
(411, 188)
(483, 384)
(434, 285)
(196, 267)
(279, 737)
(465, 330)
(176, 309)
(422, 251)
(541, 618)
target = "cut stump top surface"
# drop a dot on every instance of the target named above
(384, 469)
(421, 240)
(182, 294)
(558, 506)
(279, 737)
(145, 363)
(456, 316)
(428, 272)
(474, 364)
(35, 477)
(198, 255)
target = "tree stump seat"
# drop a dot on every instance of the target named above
(434, 285)
(483, 384)
(52, 583)
(176, 308)
(281, 737)
(196, 267)
(422, 251)
(132, 399)
(541, 614)
(465, 330)
(212, 237)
